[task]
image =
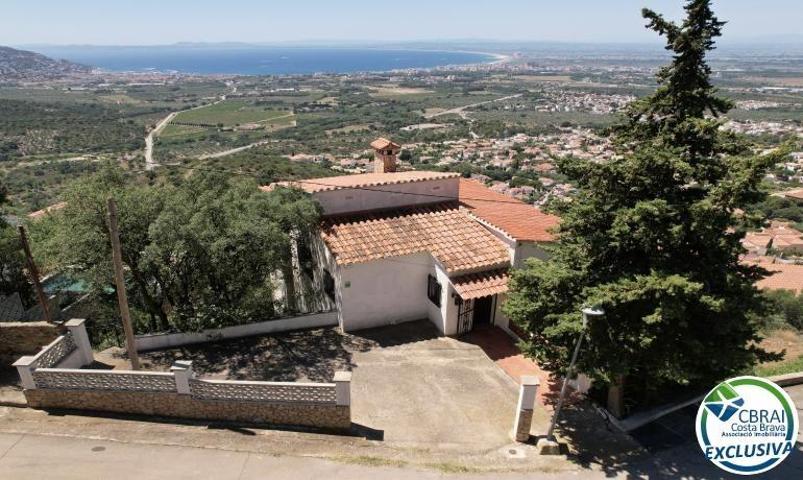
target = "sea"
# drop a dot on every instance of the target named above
(257, 60)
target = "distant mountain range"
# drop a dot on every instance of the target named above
(18, 65)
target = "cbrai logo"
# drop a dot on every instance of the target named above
(747, 425)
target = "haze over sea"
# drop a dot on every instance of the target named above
(256, 60)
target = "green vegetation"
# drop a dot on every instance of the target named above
(651, 237)
(12, 261)
(780, 368)
(787, 309)
(30, 128)
(199, 251)
(230, 113)
(779, 208)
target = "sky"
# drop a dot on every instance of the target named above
(159, 22)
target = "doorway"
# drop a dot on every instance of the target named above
(483, 311)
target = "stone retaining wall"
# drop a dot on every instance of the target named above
(175, 405)
(24, 338)
(53, 379)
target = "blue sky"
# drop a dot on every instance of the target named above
(145, 22)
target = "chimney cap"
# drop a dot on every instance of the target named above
(382, 143)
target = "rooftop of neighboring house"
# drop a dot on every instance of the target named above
(779, 235)
(444, 230)
(796, 194)
(783, 276)
(519, 220)
(41, 213)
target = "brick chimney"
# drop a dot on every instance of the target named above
(385, 153)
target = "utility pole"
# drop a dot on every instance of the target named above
(587, 312)
(34, 273)
(122, 299)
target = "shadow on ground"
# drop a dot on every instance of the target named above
(666, 449)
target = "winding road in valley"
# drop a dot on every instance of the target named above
(150, 164)
(460, 110)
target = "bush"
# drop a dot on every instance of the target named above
(788, 308)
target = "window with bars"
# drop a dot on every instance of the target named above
(434, 290)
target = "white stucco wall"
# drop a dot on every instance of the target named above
(500, 319)
(445, 317)
(384, 292)
(380, 197)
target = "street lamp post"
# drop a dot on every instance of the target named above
(587, 313)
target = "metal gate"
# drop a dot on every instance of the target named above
(465, 316)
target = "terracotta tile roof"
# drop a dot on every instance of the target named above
(382, 143)
(517, 219)
(456, 240)
(483, 284)
(363, 180)
(784, 277)
(796, 194)
(41, 213)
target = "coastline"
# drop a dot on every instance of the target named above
(489, 59)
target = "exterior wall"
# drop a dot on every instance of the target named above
(169, 340)
(384, 292)
(414, 193)
(325, 262)
(178, 393)
(500, 319)
(448, 310)
(525, 250)
(175, 405)
(24, 338)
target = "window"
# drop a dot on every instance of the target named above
(434, 290)
(328, 284)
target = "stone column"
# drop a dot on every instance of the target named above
(524, 411)
(343, 388)
(77, 328)
(182, 371)
(25, 371)
(616, 397)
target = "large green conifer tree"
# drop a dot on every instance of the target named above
(652, 238)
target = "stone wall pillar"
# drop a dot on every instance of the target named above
(343, 388)
(616, 397)
(182, 371)
(77, 328)
(25, 371)
(524, 410)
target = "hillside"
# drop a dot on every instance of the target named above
(24, 65)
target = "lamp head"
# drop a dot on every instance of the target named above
(591, 312)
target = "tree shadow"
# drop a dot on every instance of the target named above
(596, 443)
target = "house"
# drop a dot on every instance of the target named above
(783, 276)
(779, 236)
(795, 195)
(402, 246)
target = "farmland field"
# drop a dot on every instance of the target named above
(230, 113)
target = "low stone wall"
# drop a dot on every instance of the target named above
(24, 338)
(53, 379)
(175, 405)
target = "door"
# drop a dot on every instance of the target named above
(483, 311)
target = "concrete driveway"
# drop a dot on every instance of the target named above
(418, 389)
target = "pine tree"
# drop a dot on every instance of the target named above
(652, 238)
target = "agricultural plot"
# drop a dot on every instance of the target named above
(231, 113)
